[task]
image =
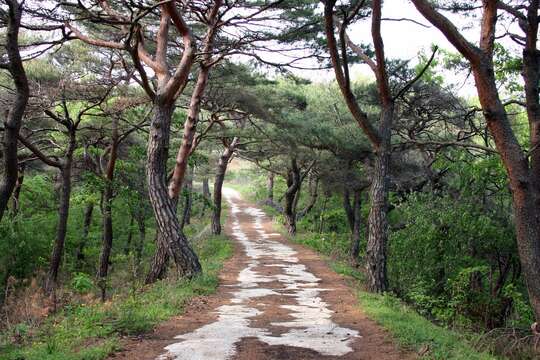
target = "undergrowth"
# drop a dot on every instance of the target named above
(411, 330)
(92, 331)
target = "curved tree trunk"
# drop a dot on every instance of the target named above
(79, 257)
(380, 139)
(377, 221)
(186, 148)
(189, 133)
(63, 214)
(522, 174)
(14, 116)
(524, 195)
(185, 259)
(161, 197)
(223, 162)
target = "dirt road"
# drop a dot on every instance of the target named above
(276, 301)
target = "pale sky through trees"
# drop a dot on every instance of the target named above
(405, 40)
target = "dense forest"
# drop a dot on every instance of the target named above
(143, 142)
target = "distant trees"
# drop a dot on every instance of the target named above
(380, 138)
(214, 46)
(75, 103)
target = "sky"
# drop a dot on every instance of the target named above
(405, 40)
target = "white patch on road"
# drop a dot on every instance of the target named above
(311, 326)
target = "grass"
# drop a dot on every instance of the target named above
(413, 331)
(92, 332)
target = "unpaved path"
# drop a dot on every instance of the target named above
(276, 301)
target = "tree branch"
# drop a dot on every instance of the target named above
(418, 76)
(470, 51)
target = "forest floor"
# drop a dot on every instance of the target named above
(276, 300)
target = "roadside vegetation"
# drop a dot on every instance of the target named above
(90, 330)
(444, 331)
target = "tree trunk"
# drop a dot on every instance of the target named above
(108, 195)
(207, 196)
(206, 188)
(79, 257)
(188, 201)
(158, 266)
(15, 114)
(186, 148)
(357, 224)
(323, 212)
(523, 176)
(142, 238)
(270, 188)
(377, 221)
(106, 237)
(17, 191)
(531, 79)
(290, 224)
(185, 259)
(296, 199)
(293, 185)
(528, 239)
(189, 132)
(63, 214)
(313, 196)
(348, 208)
(522, 183)
(218, 184)
(129, 241)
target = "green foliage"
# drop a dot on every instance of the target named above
(441, 259)
(68, 334)
(333, 244)
(409, 329)
(82, 283)
(454, 253)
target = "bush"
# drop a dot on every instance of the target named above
(448, 259)
(82, 283)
